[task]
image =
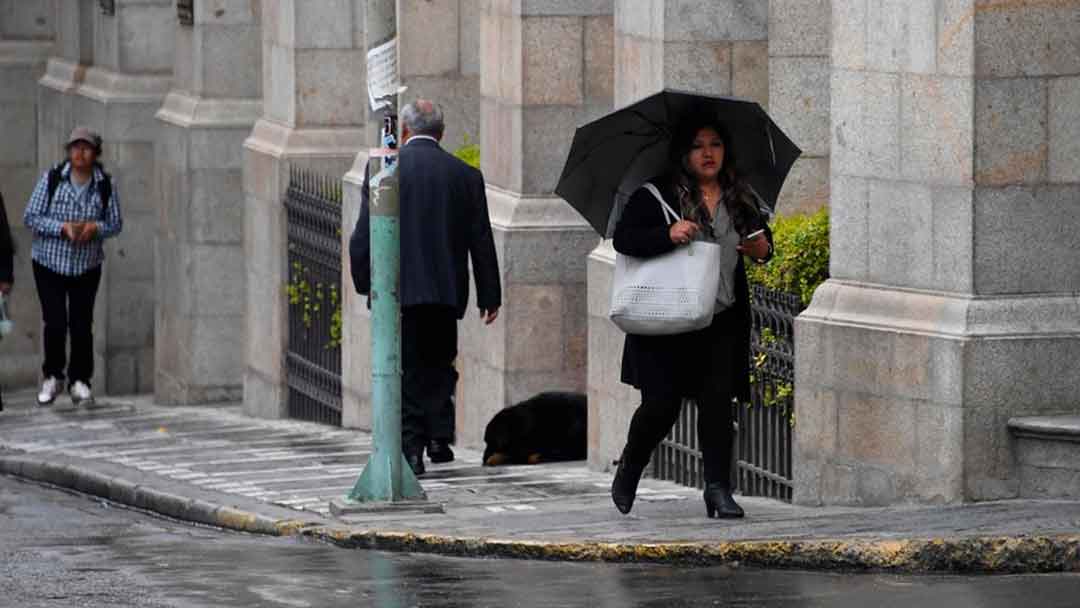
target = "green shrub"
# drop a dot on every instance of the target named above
(469, 152)
(801, 259)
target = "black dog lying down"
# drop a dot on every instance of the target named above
(549, 427)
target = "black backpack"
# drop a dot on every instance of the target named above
(104, 186)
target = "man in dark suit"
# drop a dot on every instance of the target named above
(444, 222)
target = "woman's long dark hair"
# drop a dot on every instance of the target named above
(735, 194)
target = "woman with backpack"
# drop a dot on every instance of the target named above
(73, 209)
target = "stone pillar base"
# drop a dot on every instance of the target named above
(21, 64)
(356, 318)
(539, 342)
(268, 153)
(908, 395)
(199, 249)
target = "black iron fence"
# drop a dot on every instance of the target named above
(763, 463)
(313, 359)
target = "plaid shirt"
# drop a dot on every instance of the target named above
(51, 249)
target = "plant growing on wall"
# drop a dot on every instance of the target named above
(309, 299)
(469, 152)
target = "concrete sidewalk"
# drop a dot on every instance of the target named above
(215, 466)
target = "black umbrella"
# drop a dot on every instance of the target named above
(612, 156)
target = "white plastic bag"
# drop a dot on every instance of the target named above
(6, 326)
(668, 294)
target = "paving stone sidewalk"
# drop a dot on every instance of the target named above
(289, 471)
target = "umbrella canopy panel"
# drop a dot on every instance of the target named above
(612, 156)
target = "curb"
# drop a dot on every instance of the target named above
(992, 555)
(146, 498)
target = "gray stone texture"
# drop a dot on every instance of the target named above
(799, 96)
(314, 117)
(546, 68)
(200, 278)
(111, 74)
(440, 44)
(941, 321)
(27, 31)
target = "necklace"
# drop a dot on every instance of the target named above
(710, 198)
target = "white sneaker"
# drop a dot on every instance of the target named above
(49, 389)
(80, 392)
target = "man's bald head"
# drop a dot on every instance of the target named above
(423, 117)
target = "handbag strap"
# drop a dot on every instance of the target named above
(669, 214)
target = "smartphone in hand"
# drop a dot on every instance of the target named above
(753, 236)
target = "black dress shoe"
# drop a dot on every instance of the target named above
(719, 504)
(415, 458)
(624, 486)
(440, 452)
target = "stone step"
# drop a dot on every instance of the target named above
(1048, 455)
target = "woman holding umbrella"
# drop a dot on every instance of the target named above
(690, 140)
(708, 365)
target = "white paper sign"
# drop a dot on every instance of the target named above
(382, 74)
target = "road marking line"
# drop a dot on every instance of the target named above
(296, 456)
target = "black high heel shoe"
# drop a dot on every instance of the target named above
(624, 486)
(719, 504)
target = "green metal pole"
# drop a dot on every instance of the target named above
(387, 476)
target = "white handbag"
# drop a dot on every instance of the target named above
(668, 294)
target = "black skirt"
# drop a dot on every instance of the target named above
(713, 360)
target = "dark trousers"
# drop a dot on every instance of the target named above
(428, 350)
(67, 307)
(658, 413)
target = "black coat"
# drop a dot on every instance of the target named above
(7, 248)
(444, 223)
(690, 364)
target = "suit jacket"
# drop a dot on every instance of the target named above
(695, 364)
(7, 248)
(444, 222)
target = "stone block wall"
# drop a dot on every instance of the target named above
(546, 68)
(799, 96)
(912, 359)
(27, 34)
(440, 60)
(215, 101)
(314, 116)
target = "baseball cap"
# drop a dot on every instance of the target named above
(84, 134)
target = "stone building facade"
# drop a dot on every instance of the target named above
(950, 123)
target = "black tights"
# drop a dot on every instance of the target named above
(658, 413)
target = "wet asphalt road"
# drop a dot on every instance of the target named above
(58, 549)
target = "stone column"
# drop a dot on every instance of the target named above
(546, 69)
(118, 95)
(27, 31)
(799, 96)
(706, 46)
(440, 56)
(215, 101)
(440, 60)
(953, 306)
(314, 116)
